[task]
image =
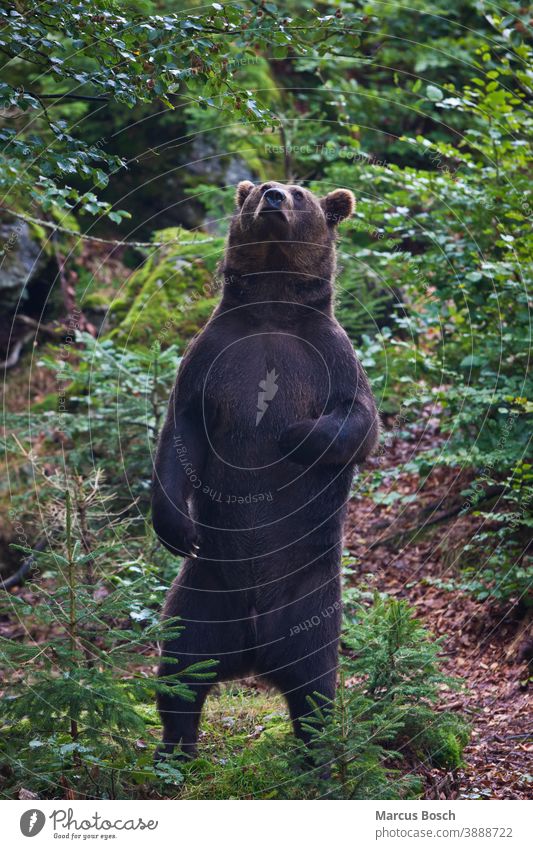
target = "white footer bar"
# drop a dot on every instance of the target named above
(268, 824)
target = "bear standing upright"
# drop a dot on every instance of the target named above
(270, 413)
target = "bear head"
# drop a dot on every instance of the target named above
(286, 230)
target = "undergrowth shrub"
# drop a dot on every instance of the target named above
(79, 676)
(453, 237)
(370, 742)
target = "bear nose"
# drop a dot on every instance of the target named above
(274, 198)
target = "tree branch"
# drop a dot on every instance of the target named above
(87, 97)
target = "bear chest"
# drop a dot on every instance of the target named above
(264, 381)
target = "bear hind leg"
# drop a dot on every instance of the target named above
(180, 719)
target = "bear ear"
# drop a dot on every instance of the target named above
(338, 205)
(243, 190)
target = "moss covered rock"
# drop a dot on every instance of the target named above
(171, 296)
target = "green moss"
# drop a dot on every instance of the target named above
(449, 751)
(95, 301)
(442, 740)
(171, 296)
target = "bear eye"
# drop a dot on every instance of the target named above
(298, 194)
(266, 186)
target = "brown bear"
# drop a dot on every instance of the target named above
(269, 416)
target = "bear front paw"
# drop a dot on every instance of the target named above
(295, 442)
(180, 536)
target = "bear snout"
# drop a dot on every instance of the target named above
(273, 198)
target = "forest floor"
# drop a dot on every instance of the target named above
(485, 644)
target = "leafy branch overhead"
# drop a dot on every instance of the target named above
(60, 52)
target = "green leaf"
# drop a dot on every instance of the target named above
(434, 93)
